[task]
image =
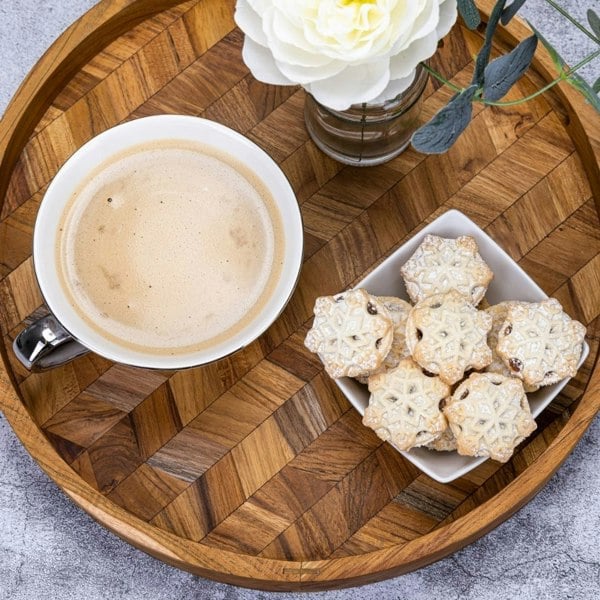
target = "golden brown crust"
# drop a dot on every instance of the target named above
(447, 335)
(445, 443)
(499, 312)
(540, 343)
(398, 310)
(352, 333)
(404, 407)
(489, 416)
(441, 264)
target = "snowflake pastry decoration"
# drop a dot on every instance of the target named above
(352, 333)
(489, 416)
(404, 407)
(441, 264)
(540, 343)
(447, 335)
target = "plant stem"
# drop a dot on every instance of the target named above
(575, 22)
(441, 78)
(525, 98)
(584, 61)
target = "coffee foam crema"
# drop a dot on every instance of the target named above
(170, 248)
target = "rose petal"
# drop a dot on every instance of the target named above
(404, 16)
(394, 88)
(260, 6)
(292, 55)
(279, 25)
(427, 21)
(302, 75)
(353, 85)
(424, 24)
(261, 63)
(343, 52)
(402, 64)
(448, 16)
(288, 45)
(248, 20)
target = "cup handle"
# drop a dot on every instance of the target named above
(46, 344)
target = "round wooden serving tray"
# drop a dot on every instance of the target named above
(256, 470)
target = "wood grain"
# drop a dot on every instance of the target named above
(255, 470)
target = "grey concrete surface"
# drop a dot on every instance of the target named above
(50, 549)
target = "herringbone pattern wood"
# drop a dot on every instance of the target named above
(260, 454)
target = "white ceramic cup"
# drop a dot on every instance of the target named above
(64, 334)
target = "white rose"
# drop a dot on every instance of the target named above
(343, 52)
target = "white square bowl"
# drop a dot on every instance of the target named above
(510, 283)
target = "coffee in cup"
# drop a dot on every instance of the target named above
(170, 247)
(167, 242)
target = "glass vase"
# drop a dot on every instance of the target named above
(367, 134)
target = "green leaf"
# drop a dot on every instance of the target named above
(469, 13)
(596, 86)
(586, 89)
(502, 73)
(594, 21)
(511, 11)
(557, 59)
(484, 54)
(437, 136)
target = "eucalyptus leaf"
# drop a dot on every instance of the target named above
(469, 13)
(596, 86)
(586, 89)
(437, 136)
(502, 73)
(594, 21)
(484, 54)
(557, 59)
(511, 11)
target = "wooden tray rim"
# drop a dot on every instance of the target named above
(74, 47)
